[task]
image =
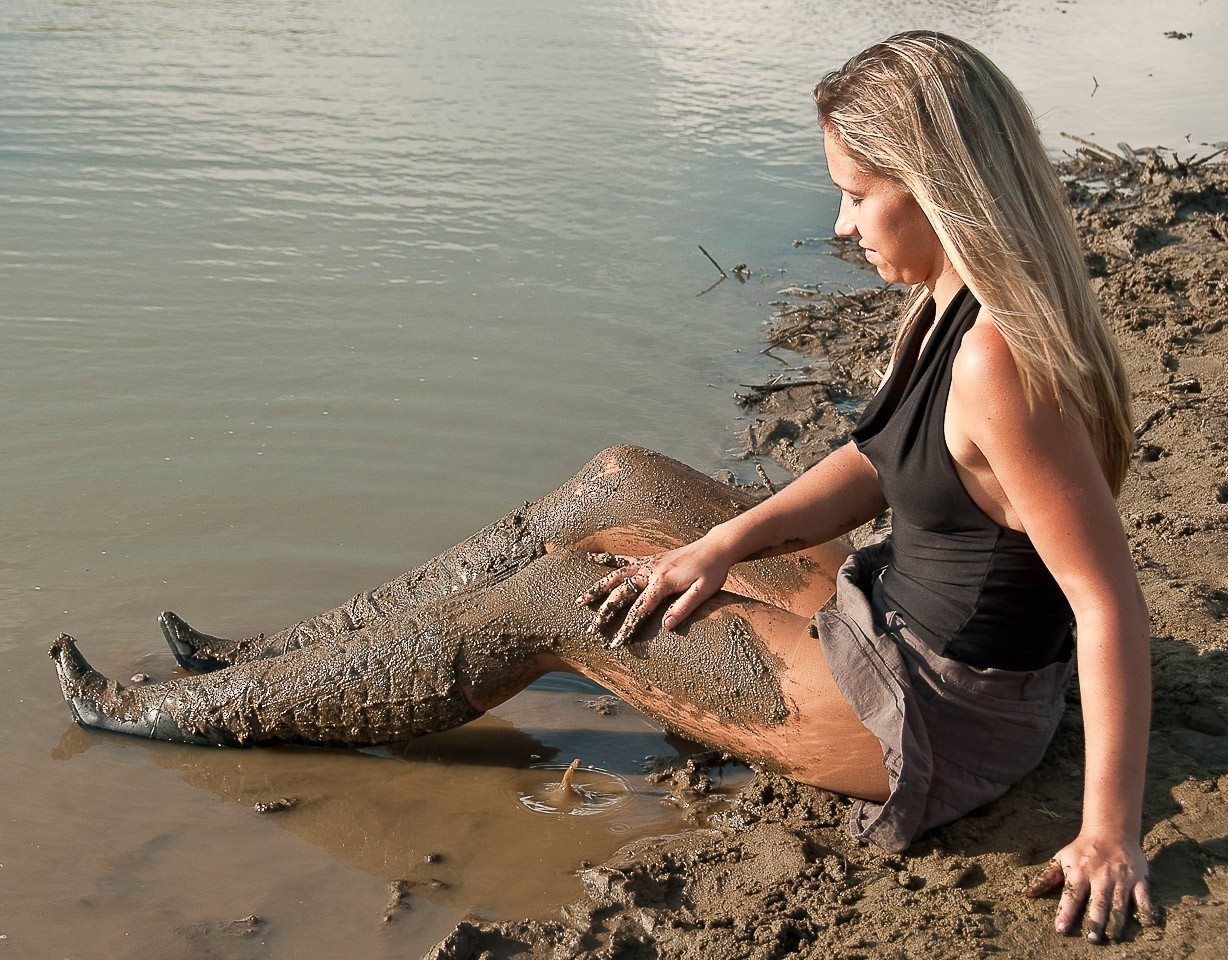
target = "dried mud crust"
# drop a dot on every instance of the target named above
(779, 876)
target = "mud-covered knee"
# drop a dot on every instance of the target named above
(630, 469)
(620, 458)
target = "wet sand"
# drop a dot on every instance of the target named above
(778, 875)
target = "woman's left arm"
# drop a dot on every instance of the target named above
(1047, 467)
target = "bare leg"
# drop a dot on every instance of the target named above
(743, 677)
(624, 487)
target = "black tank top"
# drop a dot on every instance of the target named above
(974, 590)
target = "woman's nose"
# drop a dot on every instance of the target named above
(845, 227)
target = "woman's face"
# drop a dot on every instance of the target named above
(896, 236)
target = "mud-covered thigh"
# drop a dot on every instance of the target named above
(746, 677)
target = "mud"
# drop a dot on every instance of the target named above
(625, 487)
(422, 672)
(779, 876)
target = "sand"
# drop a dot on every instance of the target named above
(775, 874)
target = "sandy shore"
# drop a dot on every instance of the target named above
(776, 874)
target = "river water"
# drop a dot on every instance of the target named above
(297, 294)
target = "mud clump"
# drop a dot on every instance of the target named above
(276, 806)
(776, 874)
(689, 775)
(216, 938)
(603, 706)
(399, 892)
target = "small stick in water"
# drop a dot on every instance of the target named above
(724, 275)
(566, 786)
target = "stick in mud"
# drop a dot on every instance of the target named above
(566, 785)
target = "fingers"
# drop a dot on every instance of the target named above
(1148, 913)
(1074, 894)
(613, 559)
(622, 591)
(1099, 878)
(1049, 881)
(605, 586)
(684, 606)
(647, 602)
(1099, 903)
(626, 567)
(619, 598)
(1119, 913)
(1105, 905)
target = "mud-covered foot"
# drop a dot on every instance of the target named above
(104, 704)
(196, 651)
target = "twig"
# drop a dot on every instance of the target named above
(1103, 151)
(1149, 421)
(724, 275)
(719, 281)
(767, 481)
(773, 387)
(805, 308)
(1210, 156)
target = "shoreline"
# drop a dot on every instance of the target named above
(778, 875)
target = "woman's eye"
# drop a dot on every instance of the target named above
(855, 201)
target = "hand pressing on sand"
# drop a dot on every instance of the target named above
(693, 573)
(1102, 878)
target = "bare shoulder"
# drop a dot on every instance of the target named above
(986, 384)
(984, 359)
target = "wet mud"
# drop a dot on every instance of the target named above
(625, 487)
(778, 876)
(424, 670)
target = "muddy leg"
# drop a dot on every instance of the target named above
(743, 676)
(626, 487)
(390, 682)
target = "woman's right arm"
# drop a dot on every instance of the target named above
(836, 495)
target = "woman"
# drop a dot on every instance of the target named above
(999, 438)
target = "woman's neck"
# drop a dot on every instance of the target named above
(944, 287)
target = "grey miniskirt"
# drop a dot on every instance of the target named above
(954, 736)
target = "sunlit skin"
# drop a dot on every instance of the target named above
(1030, 467)
(890, 227)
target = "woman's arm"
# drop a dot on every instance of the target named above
(837, 494)
(1046, 465)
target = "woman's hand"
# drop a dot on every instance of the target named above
(696, 571)
(1099, 876)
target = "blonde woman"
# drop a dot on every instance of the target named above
(934, 678)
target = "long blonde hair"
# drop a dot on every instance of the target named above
(935, 117)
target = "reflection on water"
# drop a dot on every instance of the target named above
(296, 295)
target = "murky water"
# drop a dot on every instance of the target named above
(295, 295)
